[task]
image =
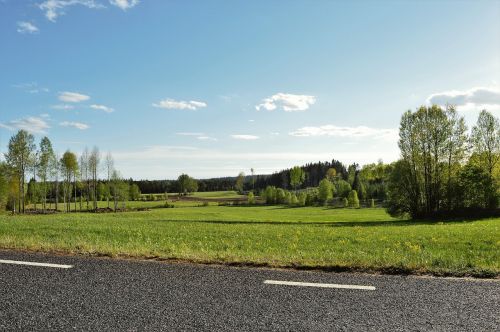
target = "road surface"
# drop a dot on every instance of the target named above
(99, 294)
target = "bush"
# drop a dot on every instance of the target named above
(372, 203)
(325, 190)
(353, 200)
(288, 198)
(302, 199)
(251, 198)
(342, 188)
(270, 195)
(280, 196)
(294, 200)
(345, 202)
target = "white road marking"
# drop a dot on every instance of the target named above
(312, 284)
(3, 261)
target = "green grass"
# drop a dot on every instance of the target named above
(217, 194)
(311, 237)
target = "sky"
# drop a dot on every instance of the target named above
(212, 88)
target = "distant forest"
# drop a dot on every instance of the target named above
(315, 173)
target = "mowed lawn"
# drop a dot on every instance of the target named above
(310, 237)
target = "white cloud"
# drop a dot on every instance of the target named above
(31, 87)
(477, 96)
(288, 102)
(77, 125)
(245, 137)
(206, 138)
(31, 124)
(351, 132)
(124, 4)
(102, 108)
(27, 27)
(180, 105)
(63, 107)
(55, 8)
(72, 97)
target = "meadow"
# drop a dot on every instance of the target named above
(339, 239)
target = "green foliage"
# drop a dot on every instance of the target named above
(288, 198)
(342, 188)
(280, 196)
(187, 184)
(486, 141)
(240, 181)
(352, 199)
(325, 191)
(4, 185)
(433, 144)
(251, 198)
(345, 202)
(294, 200)
(476, 188)
(331, 174)
(297, 176)
(135, 192)
(270, 195)
(302, 199)
(372, 203)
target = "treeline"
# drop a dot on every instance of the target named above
(56, 182)
(315, 173)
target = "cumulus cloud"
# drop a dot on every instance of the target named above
(55, 8)
(77, 125)
(245, 137)
(180, 105)
(72, 97)
(288, 102)
(102, 108)
(27, 27)
(31, 124)
(124, 4)
(477, 96)
(350, 132)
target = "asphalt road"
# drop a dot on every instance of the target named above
(119, 295)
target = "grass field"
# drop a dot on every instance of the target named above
(218, 194)
(310, 237)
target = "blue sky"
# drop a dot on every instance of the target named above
(212, 88)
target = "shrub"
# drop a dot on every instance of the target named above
(251, 198)
(345, 202)
(342, 188)
(288, 198)
(302, 199)
(353, 200)
(293, 199)
(372, 203)
(270, 195)
(325, 190)
(280, 196)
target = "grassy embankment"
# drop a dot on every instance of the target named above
(310, 237)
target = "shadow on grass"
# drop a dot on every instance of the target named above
(326, 223)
